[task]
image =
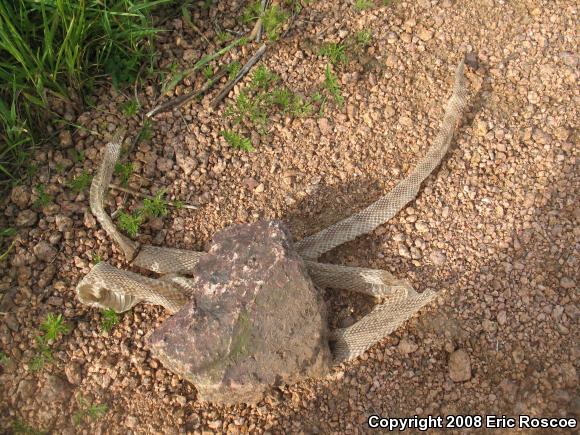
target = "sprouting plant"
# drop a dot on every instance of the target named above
(53, 326)
(43, 198)
(283, 98)
(80, 182)
(156, 206)
(124, 172)
(88, 410)
(364, 37)
(96, 258)
(4, 359)
(20, 427)
(236, 141)
(77, 156)
(130, 108)
(263, 78)
(130, 223)
(43, 354)
(208, 72)
(362, 5)
(336, 53)
(233, 69)
(272, 19)
(110, 319)
(247, 107)
(146, 132)
(332, 86)
(223, 37)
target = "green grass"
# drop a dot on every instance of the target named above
(88, 411)
(43, 198)
(263, 78)
(332, 86)
(130, 223)
(54, 51)
(336, 53)
(96, 258)
(236, 141)
(124, 171)
(54, 326)
(130, 108)
(156, 206)
(4, 359)
(80, 182)
(273, 18)
(110, 319)
(362, 5)
(20, 427)
(364, 37)
(233, 69)
(6, 233)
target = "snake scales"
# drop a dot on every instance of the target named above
(108, 287)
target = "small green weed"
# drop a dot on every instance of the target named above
(263, 78)
(130, 108)
(53, 326)
(362, 5)
(332, 86)
(76, 155)
(4, 359)
(20, 427)
(88, 410)
(236, 141)
(146, 132)
(223, 37)
(110, 319)
(246, 107)
(96, 258)
(233, 69)
(207, 72)
(43, 198)
(336, 53)
(272, 19)
(43, 355)
(80, 182)
(130, 223)
(364, 38)
(156, 206)
(6, 233)
(124, 171)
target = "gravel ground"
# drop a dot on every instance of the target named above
(496, 230)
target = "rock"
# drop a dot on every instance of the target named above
(407, 346)
(65, 138)
(502, 318)
(256, 320)
(459, 366)
(404, 251)
(20, 196)
(63, 223)
(324, 126)
(425, 34)
(438, 258)
(47, 275)
(421, 227)
(26, 218)
(44, 251)
(56, 390)
(567, 283)
(26, 389)
(12, 322)
(389, 111)
(73, 372)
